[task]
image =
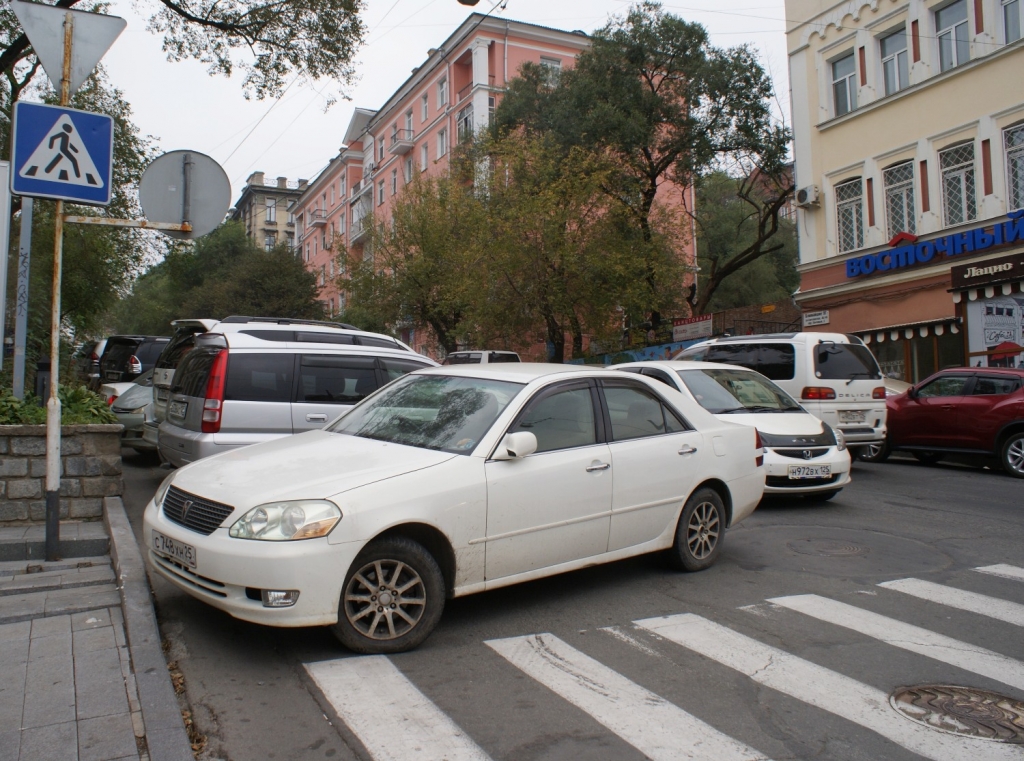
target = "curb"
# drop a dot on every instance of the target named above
(165, 732)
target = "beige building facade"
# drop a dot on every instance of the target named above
(263, 209)
(908, 120)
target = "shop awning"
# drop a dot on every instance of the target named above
(922, 329)
(988, 291)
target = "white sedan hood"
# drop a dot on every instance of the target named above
(778, 423)
(311, 465)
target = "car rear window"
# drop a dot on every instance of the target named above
(175, 350)
(117, 353)
(148, 351)
(463, 359)
(396, 368)
(191, 375)
(336, 380)
(259, 377)
(834, 361)
(503, 356)
(776, 361)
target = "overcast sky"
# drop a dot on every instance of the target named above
(186, 108)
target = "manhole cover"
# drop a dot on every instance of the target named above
(825, 548)
(963, 711)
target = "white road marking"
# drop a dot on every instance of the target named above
(393, 719)
(629, 639)
(825, 689)
(993, 607)
(660, 730)
(913, 638)
(1003, 570)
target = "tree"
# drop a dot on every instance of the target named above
(664, 103)
(739, 264)
(265, 39)
(221, 274)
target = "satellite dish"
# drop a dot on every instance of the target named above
(185, 186)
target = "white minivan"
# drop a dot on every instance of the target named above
(834, 376)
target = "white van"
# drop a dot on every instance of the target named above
(834, 376)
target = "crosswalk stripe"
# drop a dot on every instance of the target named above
(993, 607)
(660, 730)
(818, 686)
(1003, 570)
(913, 638)
(393, 719)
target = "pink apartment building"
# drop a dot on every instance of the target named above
(451, 94)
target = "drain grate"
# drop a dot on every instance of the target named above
(963, 711)
(825, 548)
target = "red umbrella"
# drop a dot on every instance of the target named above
(1007, 350)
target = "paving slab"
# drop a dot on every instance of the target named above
(54, 742)
(106, 737)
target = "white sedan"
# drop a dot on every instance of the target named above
(446, 482)
(803, 454)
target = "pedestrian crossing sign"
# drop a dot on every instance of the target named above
(62, 153)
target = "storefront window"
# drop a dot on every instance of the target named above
(950, 348)
(916, 358)
(922, 357)
(890, 359)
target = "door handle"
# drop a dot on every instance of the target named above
(318, 418)
(687, 450)
(598, 466)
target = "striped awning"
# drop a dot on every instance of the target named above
(988, 291)
(910, 330)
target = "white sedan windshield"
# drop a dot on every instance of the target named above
(440, 412)
(722, 391)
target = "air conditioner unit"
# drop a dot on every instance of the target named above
(807, 196)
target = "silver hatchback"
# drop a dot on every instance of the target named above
(237, 389)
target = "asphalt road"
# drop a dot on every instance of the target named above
(739, 677)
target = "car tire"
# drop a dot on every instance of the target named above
(700, 532)
(927, 458)
(874, 452)
(392, 598)
(1012, 455)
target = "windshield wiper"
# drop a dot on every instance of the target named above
(855, 373)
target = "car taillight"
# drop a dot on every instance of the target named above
(817, 392)
(214, 403)
(878, 393)
(110, 401)
(94, 357)
(758, 449)
(134, 365)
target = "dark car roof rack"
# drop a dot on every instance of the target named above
(289, 321)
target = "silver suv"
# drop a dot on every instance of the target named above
(238, 388)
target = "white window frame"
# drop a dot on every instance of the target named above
(464, 123)
(442, 142)
(950, 33)
(424, 156)
(1014, 166)
(342, 221)
(425, 108)
(394, 181)
(442, 93)
(849, 81)
(853, 205)
(899, 193)
(408, 123)
(899, 62)
(269, 241)
(552, 70)
(964, 176)
(380, 193)
(1010, 9)
(271, 211)
(407, 169)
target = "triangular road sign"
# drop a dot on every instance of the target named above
(62, 157)
(93, 35)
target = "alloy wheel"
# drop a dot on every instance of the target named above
(1015, 455)
(385, 599)
(702, 530)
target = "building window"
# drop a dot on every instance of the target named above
(341, 302)
(442, 142)
(442, 91)
(271, 211)
(850, 215)
(552, 69)
(381, 151)
(323, 275)
(332, 194)
(951, 29)
(894, 61)
(844, 88)
(394, 181)
(899, 198)
(289, 241)
(957, 167)
(423, 157)
(269, 241)
(1012, 19)
(380, 193)
(408, 124)
(342, 219)
(307, 252)
(407, 169)
(464, 124)
(424, 108)
(1014, 141)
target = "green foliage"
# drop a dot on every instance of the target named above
(79, 406)
(268, 40)
(221, 274)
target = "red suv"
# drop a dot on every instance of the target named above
(965, 410)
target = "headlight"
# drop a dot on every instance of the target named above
(161, 492)
(281, 521)
(840, 440)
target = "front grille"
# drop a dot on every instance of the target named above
(795, 483)
(799, 453)
(190, 577)
(857, 431)
(203, 515)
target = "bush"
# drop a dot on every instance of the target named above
(78, 406)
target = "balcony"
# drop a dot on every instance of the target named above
(401, 142)
(360, 229)
(359, 190)
(317, 218)
(465, 91)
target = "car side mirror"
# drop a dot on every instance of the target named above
(912, 392)
(516, 445)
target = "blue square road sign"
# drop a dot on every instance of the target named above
(62, 153)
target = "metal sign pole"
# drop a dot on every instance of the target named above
(53, 405)
(21, 299)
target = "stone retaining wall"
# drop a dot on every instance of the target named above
(90, 470)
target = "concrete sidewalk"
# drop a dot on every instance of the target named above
(84, 676)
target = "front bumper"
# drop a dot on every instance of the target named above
(226, 568)
(134, 431)
(777, 480)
